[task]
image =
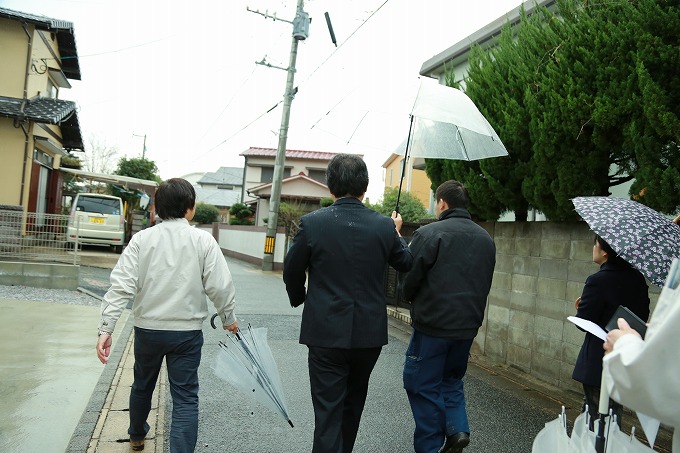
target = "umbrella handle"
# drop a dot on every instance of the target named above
(212, 323)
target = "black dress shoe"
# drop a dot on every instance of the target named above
(455, 443)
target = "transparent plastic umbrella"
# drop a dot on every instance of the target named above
(246, 362)
(554, 437)
(446, 124)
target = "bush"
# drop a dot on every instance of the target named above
(240, 215)
(410, 207)
(206, 213)
(326, 202)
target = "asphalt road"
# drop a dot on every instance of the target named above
(501, 418)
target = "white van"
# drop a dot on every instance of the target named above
(97, 219)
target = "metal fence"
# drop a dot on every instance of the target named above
(35, 237)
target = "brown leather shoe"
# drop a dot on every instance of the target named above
(136, 445)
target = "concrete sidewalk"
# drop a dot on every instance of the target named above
(109, 435)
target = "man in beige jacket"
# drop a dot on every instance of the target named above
(166, 272)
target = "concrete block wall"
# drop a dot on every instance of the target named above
(541, 268)
(39, 275)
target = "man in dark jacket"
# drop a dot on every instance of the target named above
(345, 248)
(454, 259)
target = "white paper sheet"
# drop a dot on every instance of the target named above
(589, 326)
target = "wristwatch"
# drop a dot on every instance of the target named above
(101, 332)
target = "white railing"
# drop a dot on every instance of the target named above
(36, 237)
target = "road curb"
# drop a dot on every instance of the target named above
(80, 440)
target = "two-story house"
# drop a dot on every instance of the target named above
(221, 188)
(415, 181)
(37, 129)
(304, 179)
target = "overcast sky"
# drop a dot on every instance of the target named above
(184, 74)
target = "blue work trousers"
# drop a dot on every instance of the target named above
(433, 380)
(182, 352)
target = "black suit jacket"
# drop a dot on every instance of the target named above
(614, 285)
(345, 248)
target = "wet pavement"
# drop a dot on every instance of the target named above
(52, 387)
(48, 371)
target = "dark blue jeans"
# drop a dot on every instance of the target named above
(182, 352)
(433, 379)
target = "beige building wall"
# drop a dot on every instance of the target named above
(12, 152)
(13, 54)
(415, 182)
(13, 57)
(16, 154)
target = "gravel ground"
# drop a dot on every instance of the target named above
(60, 296)
(92, 279)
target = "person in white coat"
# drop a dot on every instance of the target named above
(644, 375)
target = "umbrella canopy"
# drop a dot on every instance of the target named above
(247, 363)
(640, 235)
(448, 125)
(553, 437)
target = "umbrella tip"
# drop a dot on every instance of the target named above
(291, 424)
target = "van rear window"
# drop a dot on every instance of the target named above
(99, 205)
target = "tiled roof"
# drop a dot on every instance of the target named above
(49, 111)
(290, 154)
(66, 39)
(41, 110)
(225, 175)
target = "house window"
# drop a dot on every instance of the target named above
(52, 90)
(43, 158)
(391, 174)
(267, 174)
(318, 175)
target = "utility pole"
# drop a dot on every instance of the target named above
(144, 146)
(300, 32)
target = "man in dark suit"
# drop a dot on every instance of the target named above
(345, 248)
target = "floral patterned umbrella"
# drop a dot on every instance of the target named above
(645, 238)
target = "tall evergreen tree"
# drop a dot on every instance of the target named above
(584, 100)
(597, 119)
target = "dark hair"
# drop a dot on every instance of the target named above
(347, 175)
(454, 194)
(174, 197)
(606, 247)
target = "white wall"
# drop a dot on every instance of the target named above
(248, 241)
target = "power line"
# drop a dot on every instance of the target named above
(303, 82)
(228, 104)
(344, 42)
(239, 131)
(116, 50)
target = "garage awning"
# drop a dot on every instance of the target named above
(144, 185)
